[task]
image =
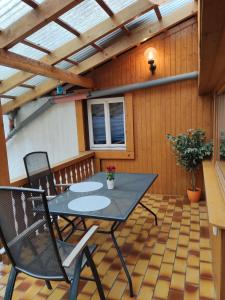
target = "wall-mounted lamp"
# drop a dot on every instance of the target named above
(150, 55)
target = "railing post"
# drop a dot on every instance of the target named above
(97, 165)
(4, 171)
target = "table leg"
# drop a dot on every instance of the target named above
(113, 228)
(149, 210)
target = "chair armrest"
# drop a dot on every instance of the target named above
(39, 198)
(79, 246)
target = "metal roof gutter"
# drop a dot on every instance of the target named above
(142, 85)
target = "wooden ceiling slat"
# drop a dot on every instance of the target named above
(158, 13)
(35, 46)
(7, 97)
(88, 37)
(31, 3)
(47, 12)
(105, 7)
(97, 47)
(125, 30)
(124, 43)
(28, 86)
(71, 61)
(67, 27)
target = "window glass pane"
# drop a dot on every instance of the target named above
(98, 122)
(117, 123)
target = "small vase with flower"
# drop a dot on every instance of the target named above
(110, 177)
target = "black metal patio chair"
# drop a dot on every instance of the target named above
(40, 176)
(29, 240)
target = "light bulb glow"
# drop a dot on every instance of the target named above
(150, 54)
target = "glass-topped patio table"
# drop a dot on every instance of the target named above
(92, 199)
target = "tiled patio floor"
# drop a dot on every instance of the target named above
(171, 261)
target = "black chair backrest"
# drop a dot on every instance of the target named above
(39, 172)
(27, 234)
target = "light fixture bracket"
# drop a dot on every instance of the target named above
(152, 66)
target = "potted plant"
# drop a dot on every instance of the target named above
(190, 149)
(110, 176)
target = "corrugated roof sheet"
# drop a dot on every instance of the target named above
(12, 10)
(6, 72)
(168, 7)
(51, 36)
(85, 15)
(27, 51)
(63, 65)
(83, 54)
(116, 5)
(109, 38)
(36, 80)
(17, 91)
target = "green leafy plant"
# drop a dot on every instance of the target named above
(222, 150)
(190, 149)
(110, 173)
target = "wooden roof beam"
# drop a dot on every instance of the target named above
(138, 35)
(47, 11)
(23, 63)
(124, 16)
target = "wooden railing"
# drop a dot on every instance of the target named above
(71, 170)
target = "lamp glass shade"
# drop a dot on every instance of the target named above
(150, 54)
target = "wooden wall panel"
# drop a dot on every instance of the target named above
(160, 110)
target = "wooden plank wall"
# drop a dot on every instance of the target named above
(157, 111)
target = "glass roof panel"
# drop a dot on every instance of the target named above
(27, 51)
(17, 91)
(6, 72)
(51, 36)
(83, 54)
(85, 15)
(11, 11)
(36, 80)
(116, 5)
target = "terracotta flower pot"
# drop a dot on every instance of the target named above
(194, 196)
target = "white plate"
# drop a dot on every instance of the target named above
(87, 186)
(89, 203)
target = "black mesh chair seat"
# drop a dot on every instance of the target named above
(29, 240)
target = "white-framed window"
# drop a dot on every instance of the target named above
(106, 122)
